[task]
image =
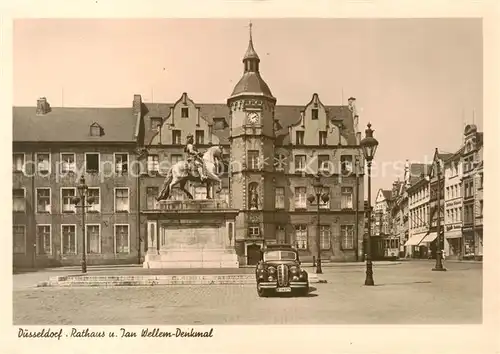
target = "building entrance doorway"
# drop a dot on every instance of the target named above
(253, 254)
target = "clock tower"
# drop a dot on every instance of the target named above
(251, 107)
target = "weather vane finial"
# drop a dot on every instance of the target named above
(250, 28)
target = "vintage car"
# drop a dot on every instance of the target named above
(279, 272)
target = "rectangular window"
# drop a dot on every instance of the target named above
(280, 234)
(185, 112)
(19, 239)
(314, 114)
(68, 163)
(18, 162)
(91, 162)
(323, 163)
(299, 138)
(44, 239)
(322, 204)
(43, 200)
(67, 195)
(279, 198)
(153, 163)
(253, 159)
(95, 193)
(322, 138)
(174, 158)
(481, 180)
(151, 194)
(253, 231)
(43, 163)
(155, 123)
(121, 200)
(122, 239)
(300, 198)
(324, 237)
(480, 208)
(347, 197)
(18, 200)
(301, 237)
(176, 137)
(200, 137)
(346, 164)
(93, 239)
(300, 163)
(347, 236)
(68, 239)
(121, 163)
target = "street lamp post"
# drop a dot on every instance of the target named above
(83, 201)
(439, 252)
(369, 145)
(318, 197)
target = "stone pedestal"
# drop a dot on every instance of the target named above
(191, 234)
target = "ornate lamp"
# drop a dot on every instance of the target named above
(83, 201)
(318, 189)
(369, 145)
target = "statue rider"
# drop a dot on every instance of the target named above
(193, 153)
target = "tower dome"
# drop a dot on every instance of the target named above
(251, 82)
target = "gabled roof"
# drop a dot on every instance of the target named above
(286, 116)
(72, 125)
(417, 170)
(387, 194)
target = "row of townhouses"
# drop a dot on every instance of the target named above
(406, 216)
(276, 149)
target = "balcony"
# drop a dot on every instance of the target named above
(192, 205)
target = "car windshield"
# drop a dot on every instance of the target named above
(279, 256)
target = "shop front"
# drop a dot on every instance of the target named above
(453, 244)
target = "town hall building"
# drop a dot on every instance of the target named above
(271, 153)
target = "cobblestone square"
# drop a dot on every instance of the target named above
(407, 293)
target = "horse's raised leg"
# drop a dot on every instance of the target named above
(182, 186)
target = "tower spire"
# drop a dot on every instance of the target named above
(250, 30)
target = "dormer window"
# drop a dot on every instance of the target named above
(314, 113)
(95, 129)
(219, 123)
(155, 123)
(299, 138)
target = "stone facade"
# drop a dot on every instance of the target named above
(270, 154)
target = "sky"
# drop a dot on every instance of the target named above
(418, 81)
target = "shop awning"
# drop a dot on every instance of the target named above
(429, 238)
(453, 234)
(414, 240)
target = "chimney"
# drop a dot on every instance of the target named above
(136, 105)
(42, 106)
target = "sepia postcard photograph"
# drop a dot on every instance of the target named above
(173, 175)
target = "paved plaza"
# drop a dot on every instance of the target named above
(405, 293)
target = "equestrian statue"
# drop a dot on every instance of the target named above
(197, 167)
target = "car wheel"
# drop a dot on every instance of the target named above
(261, 292)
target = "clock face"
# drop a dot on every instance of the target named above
(253, 118)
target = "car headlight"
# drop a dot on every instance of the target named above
(295, 278)
(294, 269)
(270, 278)
(271, 270)
(260, 266)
